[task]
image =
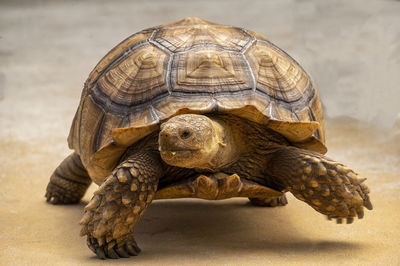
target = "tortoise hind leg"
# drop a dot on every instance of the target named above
(69, 181)
(269, 202)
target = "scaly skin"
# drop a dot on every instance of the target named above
(268, 202)
(69, 181)
(118, 204)
(326, 185)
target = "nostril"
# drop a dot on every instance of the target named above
(185, 134)
(164, 135)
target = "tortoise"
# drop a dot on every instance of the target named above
(195, 109)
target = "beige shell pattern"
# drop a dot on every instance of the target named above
(191, 66)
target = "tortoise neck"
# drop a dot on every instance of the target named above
(243, 138)
(229, 145)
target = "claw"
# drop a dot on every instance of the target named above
(89, 244)
(138, 250)
(349, 220)
(368, 204)
(122, 252)
(84, 231)
(85, 219)
(132, 250)
(360, 213)
(100, 253)
(339, 220)
(283, 200)
(112, 254)
(53, 200)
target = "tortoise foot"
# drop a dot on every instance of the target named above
(326, 185)
(58, 195)
(111, 250)
(329, 187)
(69, 182)
(269, 202)
(340, 194)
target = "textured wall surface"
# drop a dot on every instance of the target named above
(350, 48)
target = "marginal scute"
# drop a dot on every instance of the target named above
(91, 117)
(316, 110)
(128, 136)
(295, 131)
(109, 122)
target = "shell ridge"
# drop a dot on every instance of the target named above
(295, 117)
(99, 132)
(159, 45)
(249, 43)
(153, 113)
(151, 38)
(168, 78)
(170, 61)
(197, 46)
(253, 82)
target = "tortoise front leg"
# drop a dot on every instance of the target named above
(118, 204)
(69, 181)
(326, 185)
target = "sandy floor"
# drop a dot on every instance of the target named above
(47, 50)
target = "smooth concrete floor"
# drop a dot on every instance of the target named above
(352, 50)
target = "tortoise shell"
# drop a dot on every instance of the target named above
(191, 66)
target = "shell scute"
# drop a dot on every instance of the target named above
(277, 75)
(209, 70)
(137, 79)
(116, 52)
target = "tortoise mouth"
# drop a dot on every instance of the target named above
(174, 152)
(171, 148)
(179, 157)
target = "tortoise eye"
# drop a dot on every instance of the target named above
(185, 134)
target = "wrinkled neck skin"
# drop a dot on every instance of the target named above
(199, 142)
(227, 150)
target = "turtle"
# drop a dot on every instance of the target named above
(195, 109)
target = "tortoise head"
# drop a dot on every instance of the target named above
(192, 141)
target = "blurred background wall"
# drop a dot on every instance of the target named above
(350, 48)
